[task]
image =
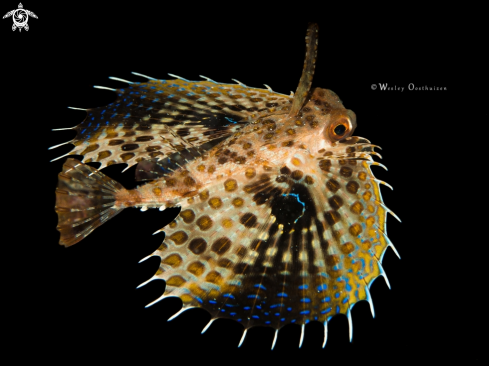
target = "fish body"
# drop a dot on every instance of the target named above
(282, 220)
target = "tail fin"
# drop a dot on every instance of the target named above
(84, 200)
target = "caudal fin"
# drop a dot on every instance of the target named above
(85, 199)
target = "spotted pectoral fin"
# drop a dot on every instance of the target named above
(161, 117)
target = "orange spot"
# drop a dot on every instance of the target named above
(201, 168)
(227, 223)
(370, 221)
(196, 268)
(367, 195)
(362, 175)
(173, 260)
(367, 185)
(296, 162)
(157, 191)
(370, 208)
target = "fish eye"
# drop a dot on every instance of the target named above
(340, 130)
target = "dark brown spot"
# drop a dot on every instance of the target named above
(281, 179)
(347, 248)
(153, 148)
(240, 160)
(325, 165)
(332, 217)
(310, 118)
(346, 171)
(103, 154)
(250, 153)
(115, 142)
(226, 152)
(173, 260)
(222, 160)
(352, 187)
(231, 185)
(246, 145)
(130, 133)
(288, 143)
(224, 262)
(215, 202)
(129, 147)
(285, 170)
(238, 202)
(297, 174)
(189, 181)
(241, 251)
(248, 220)
(90, 149)
(250, 173)
(356, 208)
(143, 128)
(355, 229)
(332, 260)
(196, 268)
(197, 246)
(188, 216)
(333, 185)
(268, 136)
(342, 161)
(175, 281)
(144, 138)
(221, 245)
(309, 179)
(306, 109)
(179, 237)
(154, 154)
(170, 182)
(255, 244)
(335, 202)
(211, 169)
(350, 149)
(127, 156)
(204, 222)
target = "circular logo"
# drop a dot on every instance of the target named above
(373, 86)
(20, 17)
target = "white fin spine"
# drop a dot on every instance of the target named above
(269, 89)
(208, 325)
(382, 272)
(104, 87)
(119, 79)
(145, 258)
(157, 300)
(239, 82)
(55, 146)
(144, 76)
(325, 333)
(350, 323)
(62, 129)
(303, 328)
(208, 79)
(242, 338)
(180, 312)
(179, 77)
(78, 109)
(370, 302)
(274, 339)
(59, 157)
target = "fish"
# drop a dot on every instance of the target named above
(282, 220)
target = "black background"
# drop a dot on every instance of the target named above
(81, 301)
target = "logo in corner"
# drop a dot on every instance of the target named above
(20, 17)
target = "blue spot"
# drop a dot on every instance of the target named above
(326, 299)
(212, 302)
(228, 295)
(277, 314)
(106, 123)
(153, 87)
(115, 114)
(230, 305)
(232, 314)
(150, 108)
(89, 124)
(239, 320)
(305, 299)
(143, 96)
(345, 300)
(155, 100)
(103, 111)
(268, 322)
(292, 321)
(267, 314)
(322, 287)
(223, 310)
(255, 316)
(282, 294)
(199, 299)
(247, 308)
(230, 120)
(159, 92)
(83, 131)
(337, 308)
(93, 118)
(253, 296)
(258, 307)
(283, 319)
(348, 287)
(304, 312)
(315, 318)
(259, 285)
(326, 311)
(171, 96)
(336, 295)
(127, 115)
(128, 105)
(307, 321)
(275, 305)
(303, 287)
(289, 309)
